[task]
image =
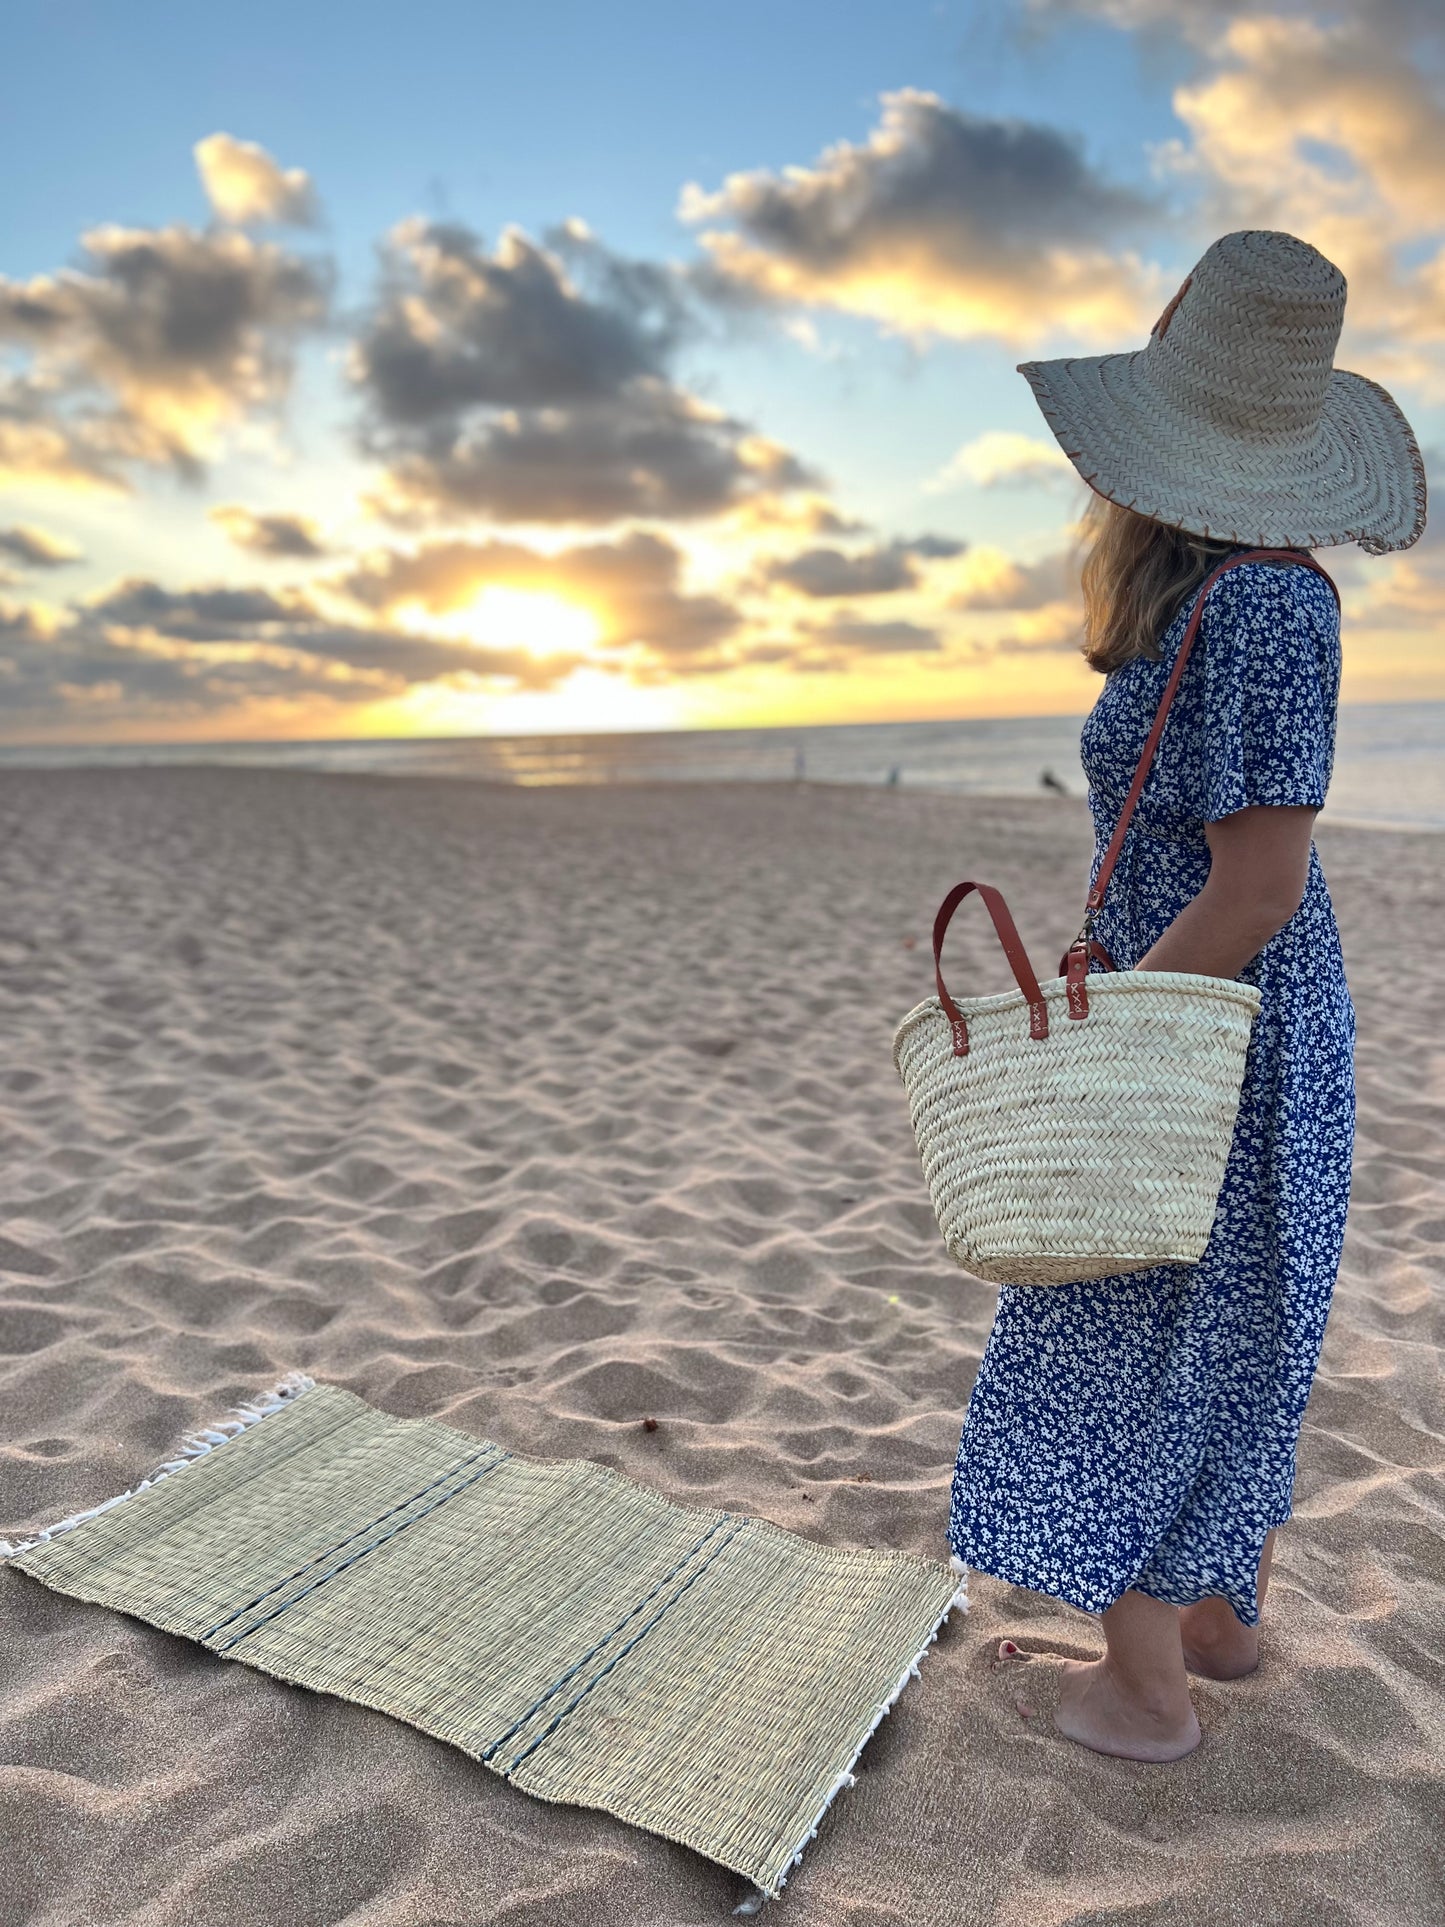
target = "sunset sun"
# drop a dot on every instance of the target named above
(530, 619)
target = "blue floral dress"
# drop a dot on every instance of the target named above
(1140, 1431)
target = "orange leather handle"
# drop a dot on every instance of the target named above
(1013, 949)
(1092, 949)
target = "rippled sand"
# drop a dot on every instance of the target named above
(548, 1112)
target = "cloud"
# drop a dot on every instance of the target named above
(247, 188)
(1335, 94)
(35, 548)
(139, 650)
(292, 624)
(194, 615)
(652, 452)
(84, 676)
(650, 628)
(881, 570)
(989, 579)
(24, 623)
(46, 443)
(282, 536)
(942, 222)
(1336, 133)
(58, 670)
(632, 586)
(398, 658)
(1327, 121)
(1407, 592)
(502, 385)
(1200, 20)
(457, 329)
(1002, 459)
(797, 514)
(857, 635)
(1056, 628)
(162, 340)
(1043, 598)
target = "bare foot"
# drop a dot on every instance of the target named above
(1095, 1710)
(1217, 1645)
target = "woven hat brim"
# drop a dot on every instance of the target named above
(1359, 479)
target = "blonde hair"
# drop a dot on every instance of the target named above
(1136, 575)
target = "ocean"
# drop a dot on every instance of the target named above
(1389, 758)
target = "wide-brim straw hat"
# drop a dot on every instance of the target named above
(1233, 422)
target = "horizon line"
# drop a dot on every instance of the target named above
(603, 735)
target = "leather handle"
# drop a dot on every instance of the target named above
(1116, 842)
(1093, 948)
(1013, 949)
(1074, 968)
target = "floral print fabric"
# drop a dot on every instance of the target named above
(1140, 1431)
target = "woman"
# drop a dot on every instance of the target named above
(1129, 1444)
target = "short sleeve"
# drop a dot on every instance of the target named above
(1269, 642)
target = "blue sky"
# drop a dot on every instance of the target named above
(866, 374)
(496, 113)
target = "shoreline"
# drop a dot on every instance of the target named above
(643, 785)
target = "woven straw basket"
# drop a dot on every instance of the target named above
(1098, 1148)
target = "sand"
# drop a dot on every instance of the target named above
(548, 1112)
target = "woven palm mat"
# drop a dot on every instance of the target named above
(702, 1674)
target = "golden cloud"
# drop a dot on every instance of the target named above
(37, 548)
(633, 587)
(940, 223)
(246, 187)
(1333, 132)
(987, 578)
(143, 356)
(291, 537)
(804, 513)
(1002, 459)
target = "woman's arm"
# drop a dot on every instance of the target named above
(1259, 864)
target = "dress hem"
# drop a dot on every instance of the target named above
(1094, 1611)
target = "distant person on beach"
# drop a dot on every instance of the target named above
(1048, 781)
(1129, 1443)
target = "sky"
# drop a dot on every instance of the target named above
(465, 368)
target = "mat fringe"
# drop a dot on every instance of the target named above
(847, 1777)
(251, 1412)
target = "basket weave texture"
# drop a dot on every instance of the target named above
(700, 1673)
(1095, 1150)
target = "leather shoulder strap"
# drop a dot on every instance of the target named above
(1111, 856)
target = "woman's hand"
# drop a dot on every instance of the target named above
(1259, 864)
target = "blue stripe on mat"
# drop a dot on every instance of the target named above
(636, 1639)
(336, 1571)
(572, 1671)
(459, 1465)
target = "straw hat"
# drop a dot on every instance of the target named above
(1233, 422)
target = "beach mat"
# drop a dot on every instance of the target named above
(702, 1674)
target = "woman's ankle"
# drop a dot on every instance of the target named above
(1162, 1702)
(1217, 1644)
(1215, 1620)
